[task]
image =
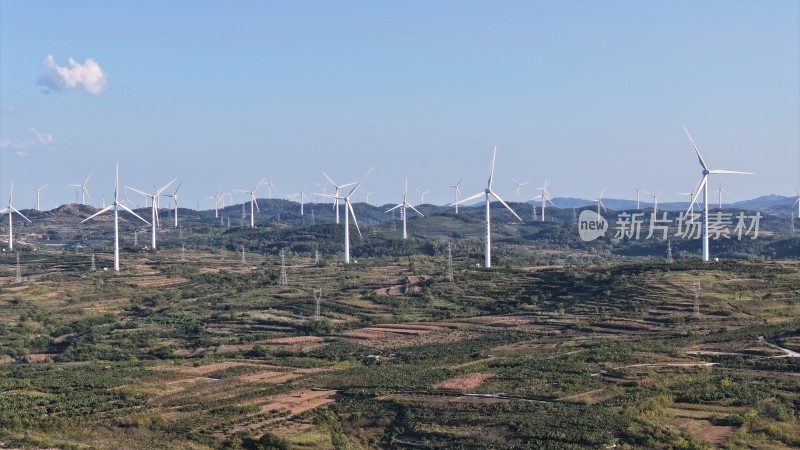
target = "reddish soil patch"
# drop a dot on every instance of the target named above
(716, 435)
(295, 340)
(39, 357)
(295, 402)
(465, 382)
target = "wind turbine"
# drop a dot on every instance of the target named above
(691, 198)
(335, 196)
(403, 207)
(719, 191)
(303, 197)
(174, 197)
(487, 193)
(116, 206)
(545, 196)
(797, 202)
(84, 190)
(367, 196)
(269, 186)
(348, 207)
(37, 194)
(253, 202)
(422, 196)
(637, 197)
(599, 201)
(655, 200)
(518, 185)
(217, 199)
(154, 209)
(10, 210)
(457, 192)
(704, 186)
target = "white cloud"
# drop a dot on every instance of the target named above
(43, 138)
(88, 76)
(23, 146)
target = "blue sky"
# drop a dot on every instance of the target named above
(589, 94)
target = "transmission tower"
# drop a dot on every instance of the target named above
(93, 267)
(229, 220)
(18, 279)
(183, 253)
(243, 259)
(135, 238)
(180, 232)
(313, 220)
(316, 256)
(696, 289)
(449, 262)
(534, 214)
(317, 300)
(792, 221)
(574, 216)
(282, 280)
(669, 252)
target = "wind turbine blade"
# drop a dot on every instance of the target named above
(393, 208)
(144, 193)
(415, 210)
(107, 208)
(697, 194)
(720, 171)
(329, 179)
(353, 213)
(506, 205)
(700, 158)
(137, 216)
(21, 215)
(464, 200)
(255, 201)
(357, 185)
(178, 188)
(491, 169)
(535, 198)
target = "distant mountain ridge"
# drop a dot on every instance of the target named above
(763, 203)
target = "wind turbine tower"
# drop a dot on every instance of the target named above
(11, 210)
(704, 187)
(488, 193)
(404, 206)
(38, 190)
(348, 207)
(116, 206)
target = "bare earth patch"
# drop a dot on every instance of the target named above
(465, 382)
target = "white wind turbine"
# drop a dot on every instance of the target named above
(403, 210)
(303, 198)
(719, 191)
(116, 206)
(367, 196)
(154, 209)
(691, 203)
(217, 200)
(637, 197)
(348, 206)
(797, 202)
(174, 197)
(704, 187)
(545, 196)
(84, 190)
(335, 196)
(457, 191)
(11, 210)
(518, 185)
(269, 186)
(655, 200)
(487, 193)
(253, 202)
(422, 196)
(599, 201)
(37, 194)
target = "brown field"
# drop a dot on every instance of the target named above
(294, 403)
(202, 370)
(295, 340)
(157, 281)
(465, 382)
